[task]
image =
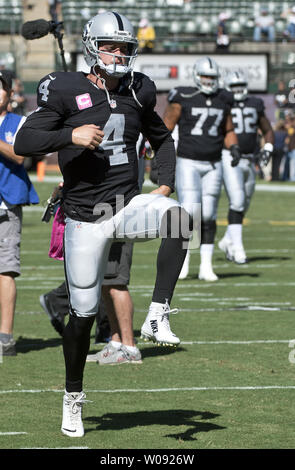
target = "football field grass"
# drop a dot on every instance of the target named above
(231, 382)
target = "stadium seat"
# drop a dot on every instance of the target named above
(190, 27)
(204, 27)
(175, 27)
(280, 26)
(234, 27)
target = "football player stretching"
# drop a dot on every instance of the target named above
(94, 120)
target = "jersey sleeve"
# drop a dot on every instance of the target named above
(260, 107)
(154, 129)
(50, 92)
(43, 131)
(174, 96)
(228, 99)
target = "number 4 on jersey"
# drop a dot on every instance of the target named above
(114, 139)
(43, 88)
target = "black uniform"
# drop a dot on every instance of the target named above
(70, 100)
(201, 125)
(245, 116)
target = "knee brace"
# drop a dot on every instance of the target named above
(235, 217)
(208, 231)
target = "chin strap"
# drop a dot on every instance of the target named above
(103, 84)
(132, 90)
(107, 92)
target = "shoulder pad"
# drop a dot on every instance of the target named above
(179, 94)
(50, 89)
(256, 102)
(145, 89)
(226, 96)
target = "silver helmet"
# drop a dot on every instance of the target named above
(237, 83)
(109, 27)
(206, 75)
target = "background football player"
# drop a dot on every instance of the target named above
(94, 121)
(204, 126)
(248, 116)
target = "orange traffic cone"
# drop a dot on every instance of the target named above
(41, 170)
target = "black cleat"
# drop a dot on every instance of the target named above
(57, 319)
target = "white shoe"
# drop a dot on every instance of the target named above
(239, 256)
(206, 274)
(157, 327)
(226, 246)
(185, 267)
(72, 424)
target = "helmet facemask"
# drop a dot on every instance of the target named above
(207, 84)
(114, 69)
(239, 90)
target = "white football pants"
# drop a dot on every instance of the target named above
(239, 181)
(199, 182)
(87, 245)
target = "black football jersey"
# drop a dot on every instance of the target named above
(245, 117)
(70, 100)
(201, 125)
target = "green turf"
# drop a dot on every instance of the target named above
(235, 344)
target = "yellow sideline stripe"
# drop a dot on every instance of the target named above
(282, 222)
(224, 222)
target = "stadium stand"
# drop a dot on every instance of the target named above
(170, 17)
(11, 16)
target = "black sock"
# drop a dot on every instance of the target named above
(169, 263)
(76, 342)
(176, 228)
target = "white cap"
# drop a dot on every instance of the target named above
(143, 23)
(224, 16)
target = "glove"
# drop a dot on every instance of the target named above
(236, 154)
(265, 154)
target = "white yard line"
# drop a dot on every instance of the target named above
(11, 433)
(157, 390)
(73, 447)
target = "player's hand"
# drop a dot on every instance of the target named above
(163, 189)
(236, 154)
(265, 155)
(88, 136)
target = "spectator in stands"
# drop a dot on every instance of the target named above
(146, 36)
(290, 141)
(55, 9)
(281, 100)
(17, 104)
(290, 16)
(16, 190)
(222, 39)
(280, 134)
(264, 24)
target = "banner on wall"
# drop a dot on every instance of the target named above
(171, 70)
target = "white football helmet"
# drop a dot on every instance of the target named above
(237, 83)
(106, 27)
(206, 75)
